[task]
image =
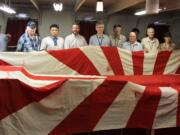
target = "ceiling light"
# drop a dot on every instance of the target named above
(22, 15)
(143, 12)
(99, 6)
(7, 9)
(58, 6)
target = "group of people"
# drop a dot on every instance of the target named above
(30, 41)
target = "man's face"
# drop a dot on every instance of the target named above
(117, 30)
(132, 37)
(150, 32)
(31, 31)
(167, 39)
(100, 28)
(75, 29)
(54, 31)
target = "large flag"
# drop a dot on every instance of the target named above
(88, 89)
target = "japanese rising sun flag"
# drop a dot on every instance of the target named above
(88, 89)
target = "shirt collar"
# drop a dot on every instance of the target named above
(101, 36)
(149, 40)
(135, 44)
(75, 35)
(53, 37)
(27, 36)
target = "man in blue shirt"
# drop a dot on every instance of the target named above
(132, 44)
(99, 39)
(29, 41)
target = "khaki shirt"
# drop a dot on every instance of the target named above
(117, 41)
(164, 47)
(150, 45)
(74, 41)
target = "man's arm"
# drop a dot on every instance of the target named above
(43, 45)
(66, 43)
(20, 45)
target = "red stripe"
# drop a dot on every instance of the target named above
(14, 95)
(156, 80)
(114, 60)
(178, 70)
(145, 110)
(138, 61)
(85, 117)
(3, 63)
(161, 61)
(178, 106)
(36, 77)
(76, 60)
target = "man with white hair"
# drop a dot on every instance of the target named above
(29, 41)
(150, 44)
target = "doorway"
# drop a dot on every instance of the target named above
(87, 29)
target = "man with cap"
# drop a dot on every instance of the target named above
(29, 41)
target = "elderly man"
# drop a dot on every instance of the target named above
(132, 44)
(52, 42)
(74, 40)
(99, 39)
(29, 41)
(150, 43)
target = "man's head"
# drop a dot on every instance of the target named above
(75, 28)
(167, 37)
(31, 28)
(100, 27)
(132, 37)
(151, 32)
(136, 30)
(117, 29)
(54, 30)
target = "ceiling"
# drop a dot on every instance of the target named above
(111, 6)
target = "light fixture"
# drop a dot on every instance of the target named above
(22, 15)
(7, 9)
(99, 6)
(143, 12)
(58, 6)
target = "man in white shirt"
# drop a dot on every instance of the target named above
(150, 43)
(99, 39)
(74, 40)
(52, 42)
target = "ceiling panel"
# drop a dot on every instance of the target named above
(169, 5)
